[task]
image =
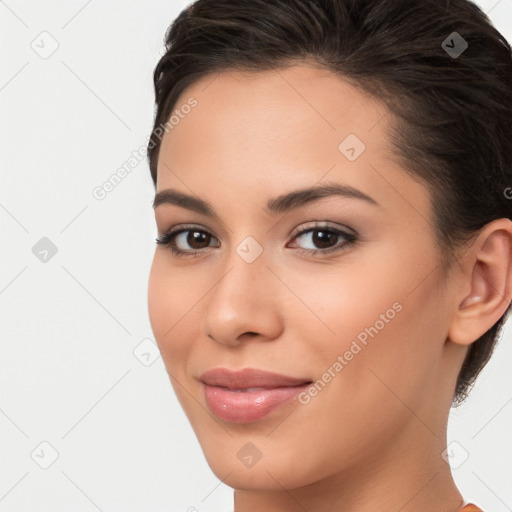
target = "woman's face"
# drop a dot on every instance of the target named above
(356, 305)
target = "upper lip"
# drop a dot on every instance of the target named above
(248, 378)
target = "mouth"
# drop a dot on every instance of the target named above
(248, 395)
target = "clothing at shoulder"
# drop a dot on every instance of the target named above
(470, 508)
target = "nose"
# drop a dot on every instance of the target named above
(244, 304)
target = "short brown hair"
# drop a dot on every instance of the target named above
(452, 104)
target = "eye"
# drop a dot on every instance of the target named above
(324, 239)
(196, 238)
(193, 240)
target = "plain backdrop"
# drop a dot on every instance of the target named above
(88, 417)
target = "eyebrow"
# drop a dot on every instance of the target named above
(279, 204)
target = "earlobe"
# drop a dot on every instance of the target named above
(488, 271)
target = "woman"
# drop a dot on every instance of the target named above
(333, 266)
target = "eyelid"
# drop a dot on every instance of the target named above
(319, 224)
(184, 227)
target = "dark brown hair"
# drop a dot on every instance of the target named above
(451, 106)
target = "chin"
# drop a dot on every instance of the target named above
(253, 462)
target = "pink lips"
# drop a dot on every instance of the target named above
(248, 395)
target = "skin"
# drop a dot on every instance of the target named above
(373, 437)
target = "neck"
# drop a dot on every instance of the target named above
(407, 475)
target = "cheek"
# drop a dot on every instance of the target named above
(159, 298)
(386, 361)
(171, 308)
(347, 302)
(382, 314)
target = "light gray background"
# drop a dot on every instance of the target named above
(72, 326)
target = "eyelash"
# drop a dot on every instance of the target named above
(167, 239)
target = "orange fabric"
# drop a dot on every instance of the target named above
(470, 508)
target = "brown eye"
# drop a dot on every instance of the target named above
(186, 241)
(324, 239)
(196, 239)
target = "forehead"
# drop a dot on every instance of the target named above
(266, 132)
(279, 99)
(280, 113)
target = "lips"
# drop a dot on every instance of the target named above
(250, 394)
(248, 378)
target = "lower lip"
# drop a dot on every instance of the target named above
(248, 406)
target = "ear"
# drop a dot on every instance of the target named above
(487, 272)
